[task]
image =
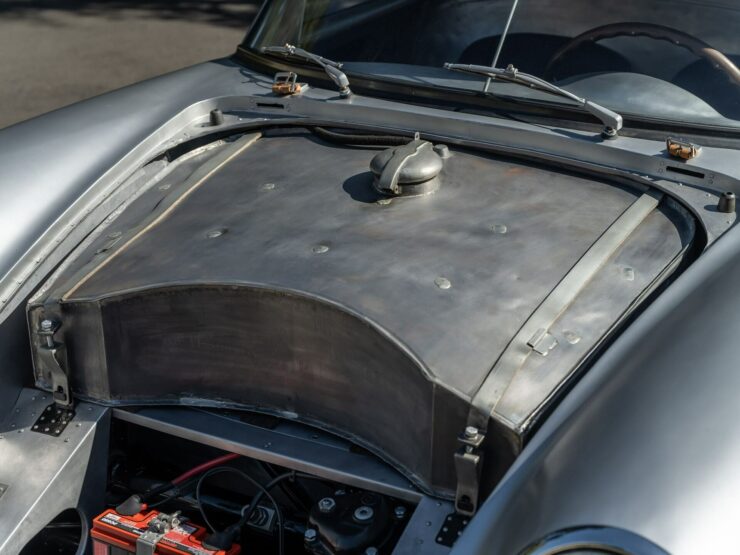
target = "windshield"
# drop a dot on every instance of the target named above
(658, 59)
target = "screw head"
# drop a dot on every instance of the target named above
(320, 249)
(214, 233)
(327, 505)
(471, 432)
(310, 535)
(400, 512)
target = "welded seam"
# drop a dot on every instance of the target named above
(240, 145)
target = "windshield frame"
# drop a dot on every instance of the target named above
(549, 111)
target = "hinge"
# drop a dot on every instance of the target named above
(468, 461)
(53, 357)
(286, 83)
(682, 149)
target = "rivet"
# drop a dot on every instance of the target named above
(66, 440)
(268, 186)
(115, 234)
(164, 186)
(428, 523)
(498, 228)
(442, 282)
(78, 425)
(320, 249)
(215, 233)
(20, 431)
(571, 337)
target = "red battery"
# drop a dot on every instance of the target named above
(115, 534)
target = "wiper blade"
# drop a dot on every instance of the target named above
(612, 121)
(333, 69)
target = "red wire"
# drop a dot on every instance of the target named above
(205, 466)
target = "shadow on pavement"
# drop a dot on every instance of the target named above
(228, 13)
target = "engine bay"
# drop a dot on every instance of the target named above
(294, 343)
(177, 480)
(235, 501)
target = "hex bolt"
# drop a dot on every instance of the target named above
(726, 203)
(310, 535)
(471, 432)
(327, 505)
(400, 512)
(47, 327)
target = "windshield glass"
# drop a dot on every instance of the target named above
(659, 59)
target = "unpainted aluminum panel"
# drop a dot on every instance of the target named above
(274, 277)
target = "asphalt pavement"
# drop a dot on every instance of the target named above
(57, 52)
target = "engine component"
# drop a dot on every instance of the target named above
(348, 522)
(150, 533)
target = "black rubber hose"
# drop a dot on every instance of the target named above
(361, 139)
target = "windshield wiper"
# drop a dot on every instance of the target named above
(332, 69)
(611, 120)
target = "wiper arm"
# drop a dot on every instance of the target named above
(612, 121)
(332, 69)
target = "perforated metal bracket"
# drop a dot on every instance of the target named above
(451, 529)
(53, 420)
(468, 461)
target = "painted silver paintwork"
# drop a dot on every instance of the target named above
(106, 139)
(646, 441)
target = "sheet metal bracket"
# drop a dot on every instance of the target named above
(53, 356)
(468, 462)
